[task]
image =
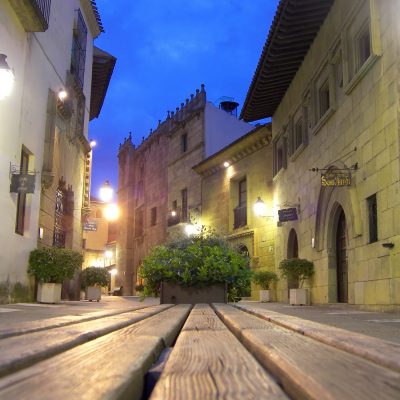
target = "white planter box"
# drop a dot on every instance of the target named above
(265, 296)
(93, 293)
(49, 293)
(299, 297)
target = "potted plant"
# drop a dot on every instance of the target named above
(203, 268)
(92, 280)
(297, 269)
(264, 280)
(51, 266)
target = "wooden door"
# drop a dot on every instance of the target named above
(341, 260)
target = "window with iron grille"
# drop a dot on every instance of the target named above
(184, 205)
(59, 229)
(372, 218)
(79, 41)
(21, 199)
(240, 212)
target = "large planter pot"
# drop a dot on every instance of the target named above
(93, 293)
(175, 294)
(265, 296)
(299, 297)
(49, 293)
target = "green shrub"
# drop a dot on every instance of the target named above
(53, 265)
(94, 276)
(264, 278)
(139, 287)
(197, 261)
(297, 269)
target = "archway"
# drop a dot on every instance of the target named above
(292, 252)
(341, 257)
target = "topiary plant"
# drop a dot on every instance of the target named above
(53, 265)
(264, 278)
(201, 260)
(297, 269)
(94, 276)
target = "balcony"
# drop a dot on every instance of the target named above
(33, 14)
(240, 216)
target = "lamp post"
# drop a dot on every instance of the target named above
(106, 192)
(6, 77)
(260, 208)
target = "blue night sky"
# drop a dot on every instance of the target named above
(165, 49)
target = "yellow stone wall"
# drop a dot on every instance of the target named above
(219, 194)
(364, 117)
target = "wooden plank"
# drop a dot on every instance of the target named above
(110, 367)
(21, 351)
(49, 323)
(212, 364)
(308, 368)
(379, 351)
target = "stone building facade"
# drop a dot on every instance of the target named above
(232, 180)
(336, 140)
(49, 44)
(158, 192)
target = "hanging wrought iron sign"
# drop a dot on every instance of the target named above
(335, 179)
(22, 183)
(288, 214)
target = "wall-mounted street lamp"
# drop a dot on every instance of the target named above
(260, 208)
(62, 94)
(92, 143)
(106, 192)
(111, 212)
(6, 77)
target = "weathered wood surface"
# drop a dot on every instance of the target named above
(210, 363)
(109, 367)
(49, 323)
(379, 351)
(308, 368)
(21, 351)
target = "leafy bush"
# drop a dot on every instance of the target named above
(53, 265)
(297, 269)
(139, 287)
(264, 279)
(94, 276)
(197, 261)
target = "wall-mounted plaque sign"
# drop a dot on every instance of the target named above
(288, 214)
(90, 226)
(336, 179)
(22, 183)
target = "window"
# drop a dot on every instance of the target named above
(323, 99)
(138, 223)
(174, 205)
(184, 143)
(372, 218)
(298, 133)
(79, 49)
(240, 212)
(184, 205)
(153, 216)
(280, 150)
(359, 50)
(21, 199)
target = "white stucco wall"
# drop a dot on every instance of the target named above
(221, 129)
(39, 61)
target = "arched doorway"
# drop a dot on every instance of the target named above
(341, 258)
(292, 252)
(245, 251)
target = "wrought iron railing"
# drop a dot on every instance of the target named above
(240, 216)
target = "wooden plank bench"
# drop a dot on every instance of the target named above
(376, 350)
(306, 367)
(208, 362)
(49, 323)
(109, 367)
(21, 351)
